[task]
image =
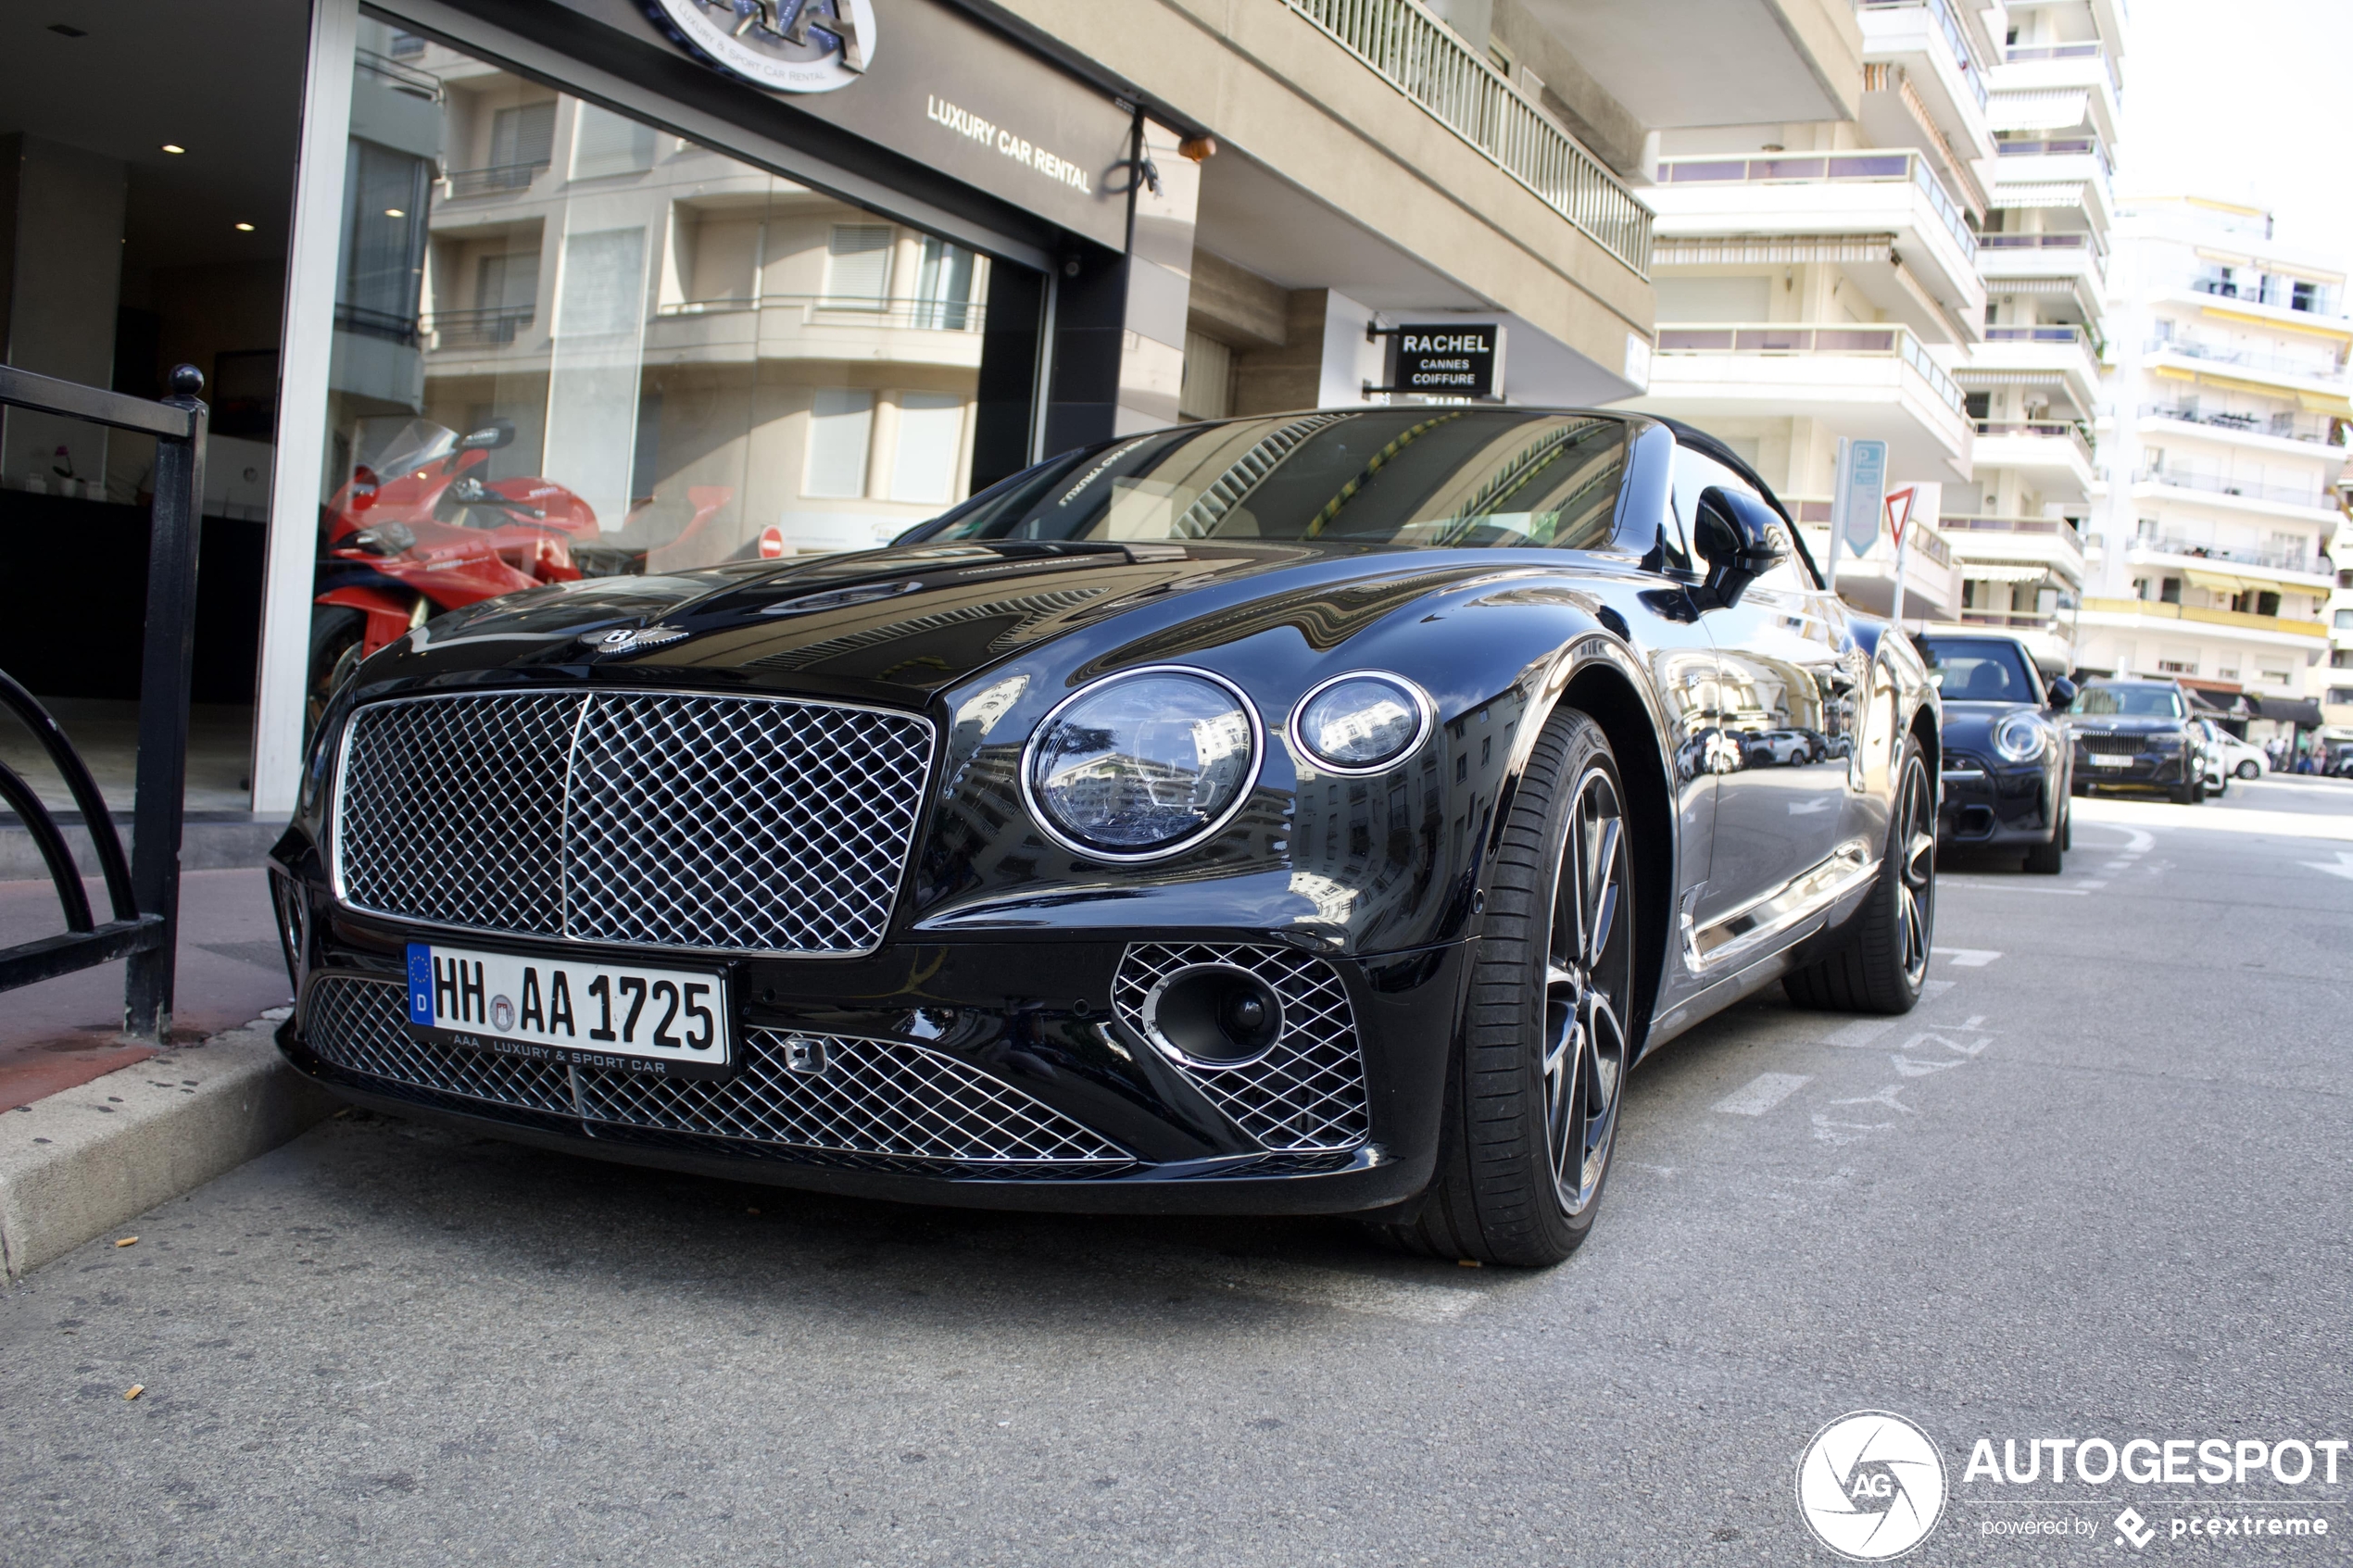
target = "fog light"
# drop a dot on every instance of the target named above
(1214, 1016)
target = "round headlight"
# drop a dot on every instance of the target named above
(1356, 723)
(2020, 737)
(1142, 765)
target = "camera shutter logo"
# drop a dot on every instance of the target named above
(1870, 1486)
(784, 45)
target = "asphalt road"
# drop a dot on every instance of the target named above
(2095, 1187)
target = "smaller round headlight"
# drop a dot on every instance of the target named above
(2020, 737)
(1359, 722)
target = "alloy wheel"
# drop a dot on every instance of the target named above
(1915, 840)
(1588, 984)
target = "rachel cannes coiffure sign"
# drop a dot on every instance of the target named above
(930, 83)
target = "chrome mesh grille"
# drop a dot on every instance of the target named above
(738, 824)
(877, 1099)
(1308, 1092)
(2113, 746)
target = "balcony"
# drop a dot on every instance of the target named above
(2257, 495)
(2316, 573)
(1855, 193)
(1429, 63)
(2271, 289)
(2054, 450)
(2049, 353)
(1931, 583)
(1929, 39)
(921, 315)
(2035, 54)
(2285, 431)
(2320, 370)
(503, 179)
(2151, 614)
(2049, 543)
(491, 326)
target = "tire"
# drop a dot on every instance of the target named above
(2189, 794)
(1881, 962)
(1532, 1119)
(2049, 859)
(337, 634)
(2250, 770)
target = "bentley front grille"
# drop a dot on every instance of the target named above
(1307, 1092)
(658, 819)
(822, 1099)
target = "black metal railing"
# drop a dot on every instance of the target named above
(143, 894)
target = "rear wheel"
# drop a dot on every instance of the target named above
(1882, 961)
(339, 632)
(1534, 1114)
(2249, 770)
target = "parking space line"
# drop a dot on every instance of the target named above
(1968, 958)
(1762, 1093)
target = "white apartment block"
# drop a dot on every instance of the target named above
(2223, 441)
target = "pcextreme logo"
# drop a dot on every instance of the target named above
(1870, 1486)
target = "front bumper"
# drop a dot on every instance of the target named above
(1985, 802)
(999, 1075)
(2146, 770)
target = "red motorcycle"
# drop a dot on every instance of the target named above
(417, 531)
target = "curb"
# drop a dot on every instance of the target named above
(83, 1163)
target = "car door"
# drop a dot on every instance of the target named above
(1787, 661)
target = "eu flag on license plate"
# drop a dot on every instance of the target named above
(420, 984)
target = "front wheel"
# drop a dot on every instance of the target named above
(1881, 962)
(338, 636)
(2250, 771)
(1534, 1117)
(2049, 859)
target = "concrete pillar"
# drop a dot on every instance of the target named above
(61, 217)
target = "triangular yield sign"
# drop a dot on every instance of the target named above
(1899, 512)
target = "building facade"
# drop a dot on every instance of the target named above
(2222, 440)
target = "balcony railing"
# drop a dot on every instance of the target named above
(2271, 289)
(2020, 53)
(2074, 240)
(462, 183)
(390, 325)
(2010, 620)
(1427, 61)
(2276, 560)
(1955, 39)
(1892, 341)
(2057, 146)
(1832, 167)
(2284, 426)
(923, 315)
(2157, 609)
(2051, 430)
(2057, 527)
(2253, 358)
(2223, 485)
(486, 326)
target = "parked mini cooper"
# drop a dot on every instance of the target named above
(2006, 762)
(1313, 813)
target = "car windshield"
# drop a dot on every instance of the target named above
(2130, 702)
(1429, 477)
(1980, 670)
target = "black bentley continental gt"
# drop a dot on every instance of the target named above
(1307, 814)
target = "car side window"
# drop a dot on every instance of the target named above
(1695, 472)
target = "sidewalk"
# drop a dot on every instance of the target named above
(61, 1034)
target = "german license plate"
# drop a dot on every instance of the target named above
(2101, 759)
(668, 1022)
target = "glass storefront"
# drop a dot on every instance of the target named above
(570, 343)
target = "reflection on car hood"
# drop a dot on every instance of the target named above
(899, 623)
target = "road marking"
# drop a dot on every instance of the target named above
(1971, 1049)
(1885, 1097)
(1907, 1067)
(2343, 866)
(1863, 1032)
(2117, 866)
(2016, 887)
(1935, 987)
(1976, 1019)
(2141, 841)
(1762, 1093)
(1968, 958)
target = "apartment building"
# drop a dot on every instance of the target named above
(2222, 440)
(2336, 701)
(1821, 277)
(2033, 380)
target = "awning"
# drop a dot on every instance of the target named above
(2289, 709)
(2216, 582)
(2064, 193)
(2314, 328)
(2003, 571)
(2230, 703)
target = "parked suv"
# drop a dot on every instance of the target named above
(2005, 760)
(2138, 735)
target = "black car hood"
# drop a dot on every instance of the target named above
(895, 625)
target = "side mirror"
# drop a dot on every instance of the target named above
(490, 437)
(2062, 693)
(1741, 538)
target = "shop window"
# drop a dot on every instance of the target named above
(841, 433)
(605, 144)
(857, 267)
(930, 439)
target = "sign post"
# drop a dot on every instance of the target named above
(1855, 498)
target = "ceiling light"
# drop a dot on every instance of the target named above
(245, 228)
(395, 212)
(173, 148)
